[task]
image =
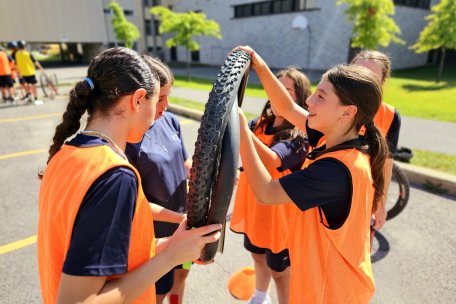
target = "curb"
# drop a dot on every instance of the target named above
(432, 180)
(435, 181)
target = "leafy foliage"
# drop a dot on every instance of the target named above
(372, 24)
(125, 31)
(185, 27)
(441, 29)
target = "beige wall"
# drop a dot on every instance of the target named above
(52, 20)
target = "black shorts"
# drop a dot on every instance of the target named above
(166, 282)
(276, 261)
(28, 79)
(6, 81)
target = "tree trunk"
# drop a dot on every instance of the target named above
(442, 61)
(188, 65)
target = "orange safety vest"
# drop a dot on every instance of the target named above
(333, 265)
(67, 179)
(5, 68)
(264, 225)
(384, 118)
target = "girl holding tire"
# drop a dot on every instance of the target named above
(95, 230)
(337, 189)
(281, 148)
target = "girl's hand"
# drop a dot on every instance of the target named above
(186, 245)
(256, 59)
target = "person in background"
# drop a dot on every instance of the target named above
(387, 120)
(6, 82)
(281, 148)
(26, 63)
(95, 229)
(163, 163)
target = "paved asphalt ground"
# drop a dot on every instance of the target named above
(413, 256)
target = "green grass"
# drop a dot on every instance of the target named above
(195, 105)
(415, 93)
(433, 160)
(253, 90)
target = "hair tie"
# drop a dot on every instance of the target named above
(90, 82)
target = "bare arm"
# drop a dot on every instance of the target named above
(39, 66)
(268, 157)
(187, 166)
(184, 245)
(165, 215)
(277, 93)
(265, 189)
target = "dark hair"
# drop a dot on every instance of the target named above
(286, 130)
(115, 72)
(162, 70)
(21, 44)
(377, 57)
(356, 85)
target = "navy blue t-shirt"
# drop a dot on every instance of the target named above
(159, 159)
(101, 233)
(392, 137)
(289, 151)
(326, 183)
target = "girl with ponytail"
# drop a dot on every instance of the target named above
(333, 195)
(95, 229)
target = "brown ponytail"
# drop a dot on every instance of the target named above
(378, 151)
(71, 118)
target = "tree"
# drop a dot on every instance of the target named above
(185, 26)
(373, 26)
(440, 32)
(125, 31)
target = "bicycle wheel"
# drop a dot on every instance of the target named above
(398, 193)
(214, 167)
(44, 84)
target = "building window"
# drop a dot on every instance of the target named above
(149, 29)
(109, 12)
(195, 55)
(151, 49)
(272, 7)
(423, 4)
(173, 53)
(151, 2)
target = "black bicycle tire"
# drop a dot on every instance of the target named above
(207, 154)
(225, 181)
(404, 192)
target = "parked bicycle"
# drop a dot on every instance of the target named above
(399, 189)
(49, 85)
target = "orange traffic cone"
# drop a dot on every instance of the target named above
(241, 284)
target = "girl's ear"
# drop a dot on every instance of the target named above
(350, 110)
(136, 98)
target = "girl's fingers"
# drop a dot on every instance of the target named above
(207, 229)
(211, 238)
